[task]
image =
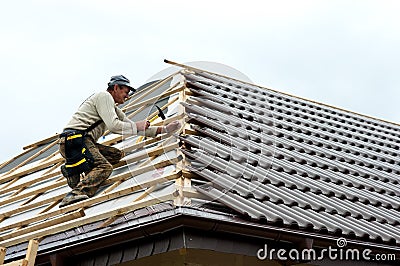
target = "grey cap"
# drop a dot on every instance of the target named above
(120, 80)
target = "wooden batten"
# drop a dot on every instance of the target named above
(32, 251)
(32, 157)
(149, 89)
(51, 219)
(140, 145)
(39, 166)
(169, 120)
(154, 99)
(30, 256)
(149, 159)
(100, 197)
(32, 192)
(60, 183)
(22, 262)
(67, 217)
(42, 142)
(113, 179)
(30, 182)
(153, 152)
(85, 220)
(3, 252)
(183, 182)
(14, 158)
(28, 206)
(141, 197)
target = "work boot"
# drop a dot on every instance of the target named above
(71, 180)
(72, 198)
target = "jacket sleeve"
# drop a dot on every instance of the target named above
(149, 132)
(116, 123)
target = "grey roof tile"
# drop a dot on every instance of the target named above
(277, 116)
(299, 162)
(235, 202)
(278, 129)
(292, 216)
(341, 164)
(336, 224)
(271, 157)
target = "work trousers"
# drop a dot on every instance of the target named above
(104, 159)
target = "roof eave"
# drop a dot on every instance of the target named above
(205, 221)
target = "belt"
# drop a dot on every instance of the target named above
(71, 132)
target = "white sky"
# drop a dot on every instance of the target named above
(54, 54)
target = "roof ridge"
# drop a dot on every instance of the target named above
(281, 92)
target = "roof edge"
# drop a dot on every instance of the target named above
(204, 220)
(284, 93)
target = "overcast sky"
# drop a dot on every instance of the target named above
(54, 54)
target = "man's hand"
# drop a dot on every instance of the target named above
(142, 125)
(171, 127)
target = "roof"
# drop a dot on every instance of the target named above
(246, 153)
(288, 161)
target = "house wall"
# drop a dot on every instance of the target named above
(188, 246)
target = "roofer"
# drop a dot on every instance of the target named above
(78, 140)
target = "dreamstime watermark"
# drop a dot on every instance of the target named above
(331, 253)
(231, 133)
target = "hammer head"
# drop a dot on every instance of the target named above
(160, 113)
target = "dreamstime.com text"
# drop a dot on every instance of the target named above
(331, 253)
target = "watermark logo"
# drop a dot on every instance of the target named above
(331, 253)
(341, 242)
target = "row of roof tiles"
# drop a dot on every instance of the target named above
(284, 118)
(313, 108)
(293, 162)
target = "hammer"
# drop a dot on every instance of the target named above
(160, 113)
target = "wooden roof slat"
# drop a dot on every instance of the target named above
(39, 166)
(113, 179)
(33, 192)
(100, 197)
(154, 99)
(31, 252)
(141, 165)
(21, 262)
(56, 184)
(145, 193)
(73, 215)
(32, 157)
(30, 182)
(2, 254)
(41, 142)
(6, 176)
(30, 256)
(66, 217)
(14, 158)
(111, 219)
(21, 187)
(84, 220)
(26, 207)
(149, 89)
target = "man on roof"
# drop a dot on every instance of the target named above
(78, 141)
